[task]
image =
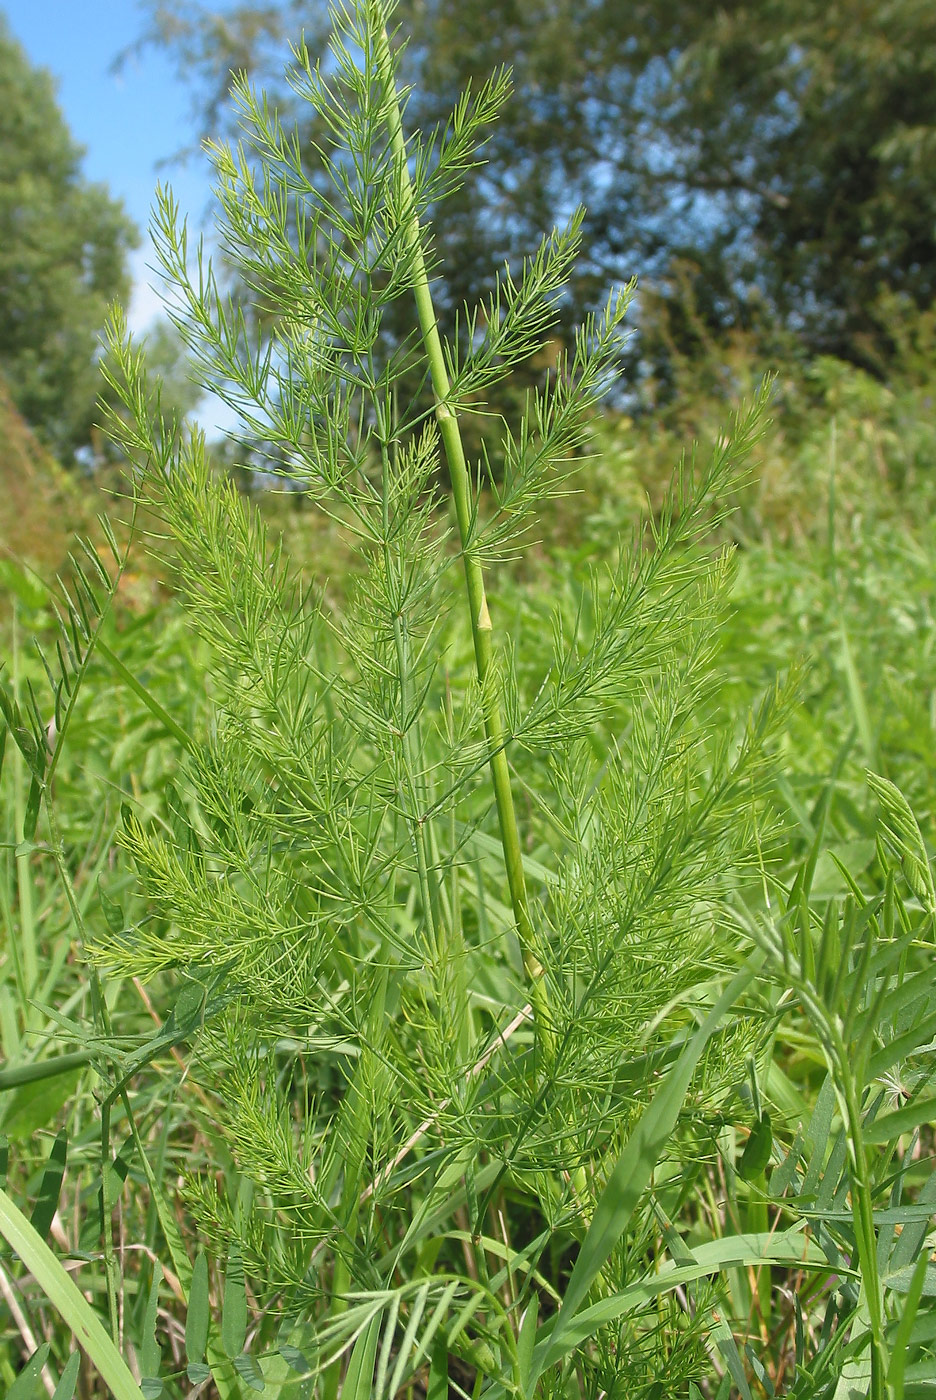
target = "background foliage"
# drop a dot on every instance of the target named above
(765, 167)
(63, 260)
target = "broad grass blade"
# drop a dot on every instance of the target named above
(64, 1295)
(65, 1389)
(26, 1385)
(47, 1204)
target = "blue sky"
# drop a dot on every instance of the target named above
(128, 122)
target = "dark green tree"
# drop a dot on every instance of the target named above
(63, 259)
(772, 162)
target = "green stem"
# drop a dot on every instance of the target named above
(481, 627)
(45, 1069)
(863, 1217)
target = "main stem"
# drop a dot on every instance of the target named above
(481, 628)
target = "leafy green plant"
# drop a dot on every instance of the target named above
(861, 972)
(450, 915)
(334, 879)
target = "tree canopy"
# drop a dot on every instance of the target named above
(771, 165)
(63, 258)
